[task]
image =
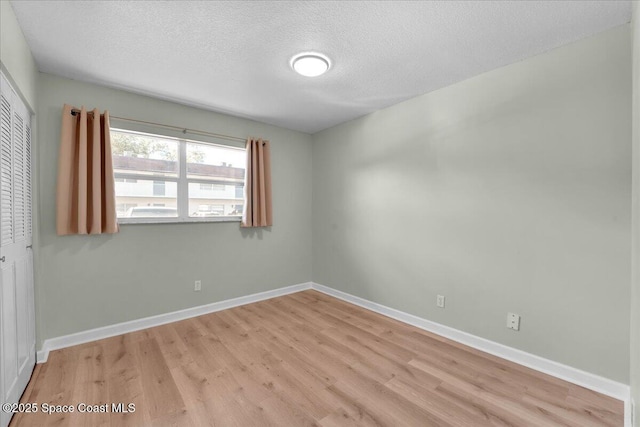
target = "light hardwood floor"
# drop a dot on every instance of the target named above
(304, 359)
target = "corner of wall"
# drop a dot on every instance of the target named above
(635, 280)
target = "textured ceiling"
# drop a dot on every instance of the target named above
(233, 57)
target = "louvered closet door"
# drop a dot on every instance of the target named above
(17, 320)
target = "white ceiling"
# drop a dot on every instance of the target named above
(233, 57)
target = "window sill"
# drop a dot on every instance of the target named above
(139, 221)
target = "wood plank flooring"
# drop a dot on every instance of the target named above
(304, 359)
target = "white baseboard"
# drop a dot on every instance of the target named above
(573, 375)
(161, 319)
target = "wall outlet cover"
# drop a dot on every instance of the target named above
(513, 321)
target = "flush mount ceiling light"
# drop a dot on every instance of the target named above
(310, 64)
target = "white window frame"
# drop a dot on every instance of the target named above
(182, 193)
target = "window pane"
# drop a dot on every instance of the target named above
(142, 154)
(216, 163)
(217, 200)
(146, 198)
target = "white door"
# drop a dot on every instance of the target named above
(17, 320)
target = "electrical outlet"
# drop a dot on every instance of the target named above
(513, 321)
(198, 286)
(440, 301)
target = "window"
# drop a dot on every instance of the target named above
(164, 179)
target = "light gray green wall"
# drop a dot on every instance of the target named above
(635, 285)
(16, 56)
(508, 192)
(87, 282)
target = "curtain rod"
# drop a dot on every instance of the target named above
(75, 112)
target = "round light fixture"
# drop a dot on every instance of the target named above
(310, 64)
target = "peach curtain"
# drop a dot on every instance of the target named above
(86, 201)
(257, 188)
